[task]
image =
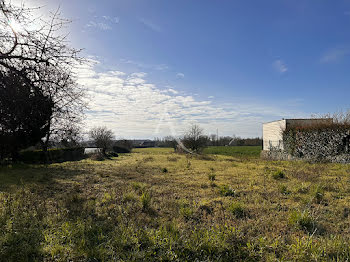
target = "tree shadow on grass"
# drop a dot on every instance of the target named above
(11, 177)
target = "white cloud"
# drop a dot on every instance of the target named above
(103, 23)
(334, 55)
(180, 75)
(151, 25)
(210, 97)
(134, 108)
(172, 91)
(115, 19)
(99, 25)
(280, 66)
(139, 74)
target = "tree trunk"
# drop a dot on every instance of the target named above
(45, 144)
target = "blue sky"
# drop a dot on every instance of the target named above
(162, 65)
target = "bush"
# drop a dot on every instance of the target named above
(122, 146)
(53, 155)
(120, 149)
(112, 154)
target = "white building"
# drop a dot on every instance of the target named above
(273, 131)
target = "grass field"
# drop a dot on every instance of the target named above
(236, 151)
(156, 205)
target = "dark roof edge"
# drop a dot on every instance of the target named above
(329, 118)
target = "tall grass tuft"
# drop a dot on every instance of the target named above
(146, 200)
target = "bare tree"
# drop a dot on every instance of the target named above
(103, 138)
(194, 139)
(37, 50)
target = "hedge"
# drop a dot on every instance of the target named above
(53, 155)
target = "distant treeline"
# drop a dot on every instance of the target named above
(169, 141)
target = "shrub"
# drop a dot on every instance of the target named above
(121, 149)
(278, 175)
(238, 210)
(112, 154)
(164, 170)
(53, 155)
(226, 190)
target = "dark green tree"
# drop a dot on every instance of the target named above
(25, 114)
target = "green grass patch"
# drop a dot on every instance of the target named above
(235, 151)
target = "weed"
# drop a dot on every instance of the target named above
(137, 186)
(146, 200)
(303, 220)
(130, 197)
(187, 212)
(238, 210)
(284, 190)
(278, 175)
(303, 189)
(318, 194)
(226, 190)
(211, 177)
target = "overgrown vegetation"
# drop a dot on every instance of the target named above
(127, 209)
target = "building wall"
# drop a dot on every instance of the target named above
(272, 134)
(272, 131)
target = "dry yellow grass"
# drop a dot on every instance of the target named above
(300, 215)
